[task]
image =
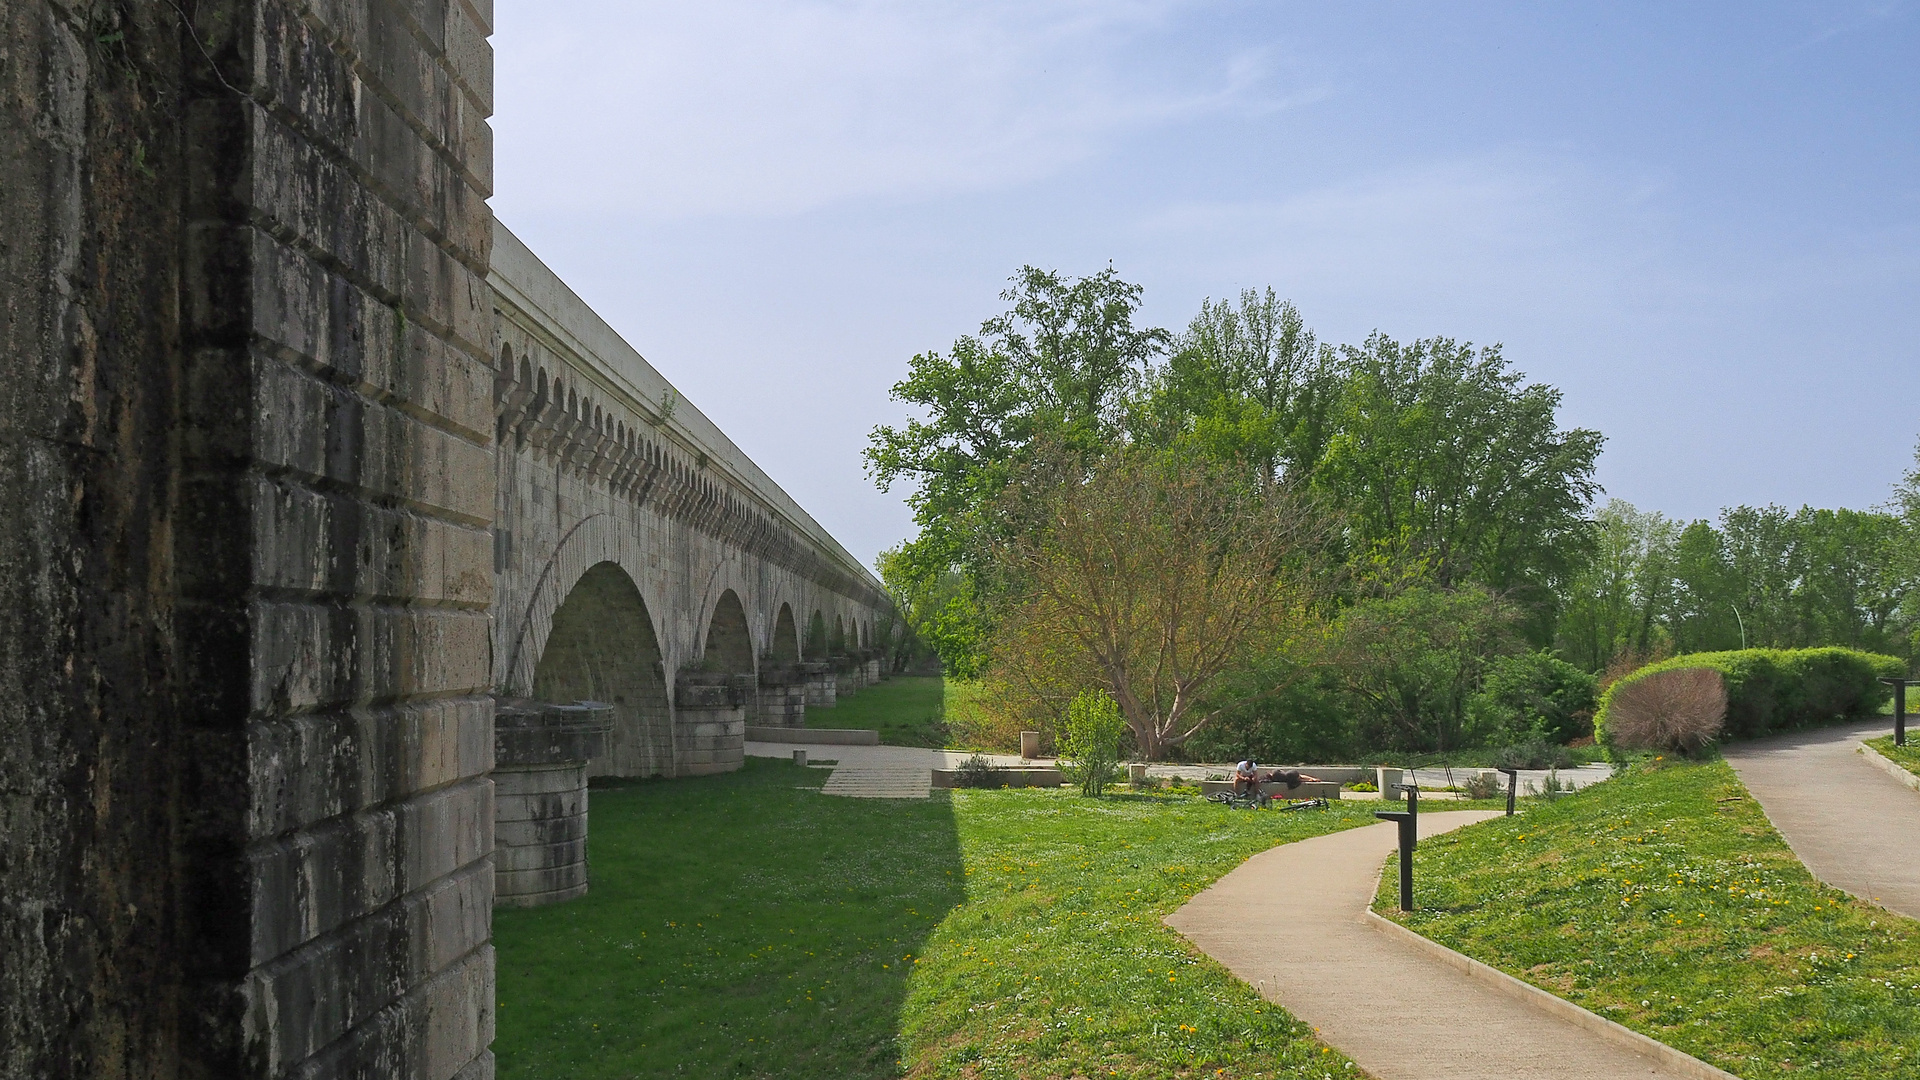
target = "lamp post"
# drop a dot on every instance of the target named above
(1743, 625)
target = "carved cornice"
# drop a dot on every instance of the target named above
(609, 444)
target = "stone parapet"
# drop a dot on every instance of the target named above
(540, 798)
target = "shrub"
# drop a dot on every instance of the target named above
(1090, 741)
(1533, 695)
(1771, 690)
(977, 772)
(1483, 785)
(1533, 754)
(1679, 709)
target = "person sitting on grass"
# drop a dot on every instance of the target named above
(1246, 777)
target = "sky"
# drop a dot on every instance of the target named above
(1700, 221)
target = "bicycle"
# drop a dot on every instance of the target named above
(1243, 800)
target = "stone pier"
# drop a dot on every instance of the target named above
(540, 755)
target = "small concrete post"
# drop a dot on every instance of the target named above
(1137, 774)
(1388, 781)
(1029, 745)
(800, 758)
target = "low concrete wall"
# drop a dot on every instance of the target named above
(815, 736)
(1015, 776)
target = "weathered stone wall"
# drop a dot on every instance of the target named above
(247, 480)
(253, 376)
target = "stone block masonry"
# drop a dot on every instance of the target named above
(640, 558)
(540, 798)
(306, 459)
(248, 482)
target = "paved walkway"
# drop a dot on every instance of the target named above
(868, 772)
(1854, 826)
(1289, 922)
(905, 772)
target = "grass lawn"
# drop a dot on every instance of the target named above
(1908, 756)
(907, 710)
(746, 925)
(1478, 757)
(1665, 901)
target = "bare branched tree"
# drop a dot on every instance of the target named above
(1147, 576)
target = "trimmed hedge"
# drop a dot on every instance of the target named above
(1771, 690)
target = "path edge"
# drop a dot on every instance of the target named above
(1887, 765)
(1525, 991)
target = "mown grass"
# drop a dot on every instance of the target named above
(738, 925)
(1665, 901)
(907, 710)
(1057, 964)
(748, 926)
(1908, 756)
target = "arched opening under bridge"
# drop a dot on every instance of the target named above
(729, 642)
(602, 648)
(785, 647)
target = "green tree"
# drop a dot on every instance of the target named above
(1445, 457)
(1057, 366)
(1906, 559)
(1244, 384)
(1408, 663)
(1533, 695)
(1149, 575)
(938, 607)
(1622, 595)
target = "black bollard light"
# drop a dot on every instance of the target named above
(1513, 783)
(1899, 710)
(1409, 821)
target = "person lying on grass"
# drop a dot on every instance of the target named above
(1246, 777)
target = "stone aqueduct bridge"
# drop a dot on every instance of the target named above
(308, 472)
(641, 559)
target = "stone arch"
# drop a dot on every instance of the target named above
(729, 645)
(785, 647)
(815, 647)
(837, 644)
(602, 647)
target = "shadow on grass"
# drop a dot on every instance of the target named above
(738, 925)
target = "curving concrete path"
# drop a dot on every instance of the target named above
(1290, 922)
(1854, 826)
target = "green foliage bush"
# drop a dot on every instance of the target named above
(1091, 741)
(1532, 696)
(1303, 720)
(1771, 690)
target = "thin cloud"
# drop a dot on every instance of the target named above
(668, 111)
